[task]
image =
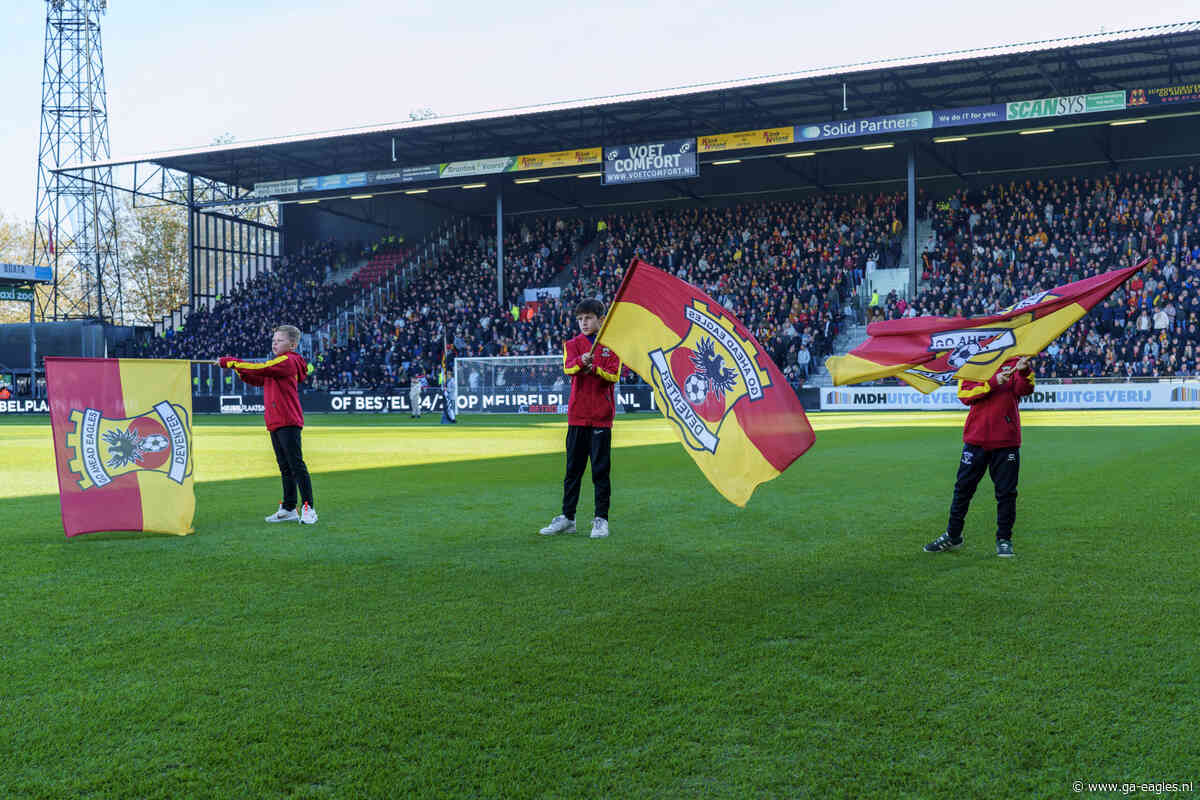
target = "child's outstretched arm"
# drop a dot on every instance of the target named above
(252, 378)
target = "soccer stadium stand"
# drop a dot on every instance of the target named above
(792, 270)
(1010, 240)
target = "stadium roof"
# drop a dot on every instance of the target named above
(1152, 56)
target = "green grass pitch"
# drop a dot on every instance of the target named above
(424, 641)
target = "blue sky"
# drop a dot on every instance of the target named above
(181, 74)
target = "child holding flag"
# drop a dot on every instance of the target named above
(279, 378)
(589, 419)
(991, 443)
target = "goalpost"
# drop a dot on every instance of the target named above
(527, 385)
(504, 383)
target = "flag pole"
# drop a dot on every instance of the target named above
(620, 290)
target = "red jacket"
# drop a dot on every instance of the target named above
(279, 378)
(591, 400)
(994, 420)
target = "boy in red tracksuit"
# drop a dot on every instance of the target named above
(991, 443)
(589, 419)
(279, 378)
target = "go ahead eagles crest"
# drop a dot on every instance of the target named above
(157, 441)
(704, 376)
(981, 346)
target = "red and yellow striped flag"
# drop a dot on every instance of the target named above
(930, 352)
(730, 405)
(123, 444)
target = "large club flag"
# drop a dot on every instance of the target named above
(730, 405)
(123, 443)
(930, 352)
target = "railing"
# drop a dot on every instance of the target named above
(371, 300)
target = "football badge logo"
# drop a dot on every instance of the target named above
(955, 349)
(705, 375)
(158, 441)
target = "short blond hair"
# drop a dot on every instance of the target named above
(290, 331)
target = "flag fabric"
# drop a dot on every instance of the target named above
(123, 443)
(731, 407)
(930, 352)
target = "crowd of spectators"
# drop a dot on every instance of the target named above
(993, 246)
(791, 270)
(240, 323)
(454, 304)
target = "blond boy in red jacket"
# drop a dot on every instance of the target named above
(280, 376)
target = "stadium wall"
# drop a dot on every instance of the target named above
(1074, 396)
(1065, 396)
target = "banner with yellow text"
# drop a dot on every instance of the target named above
(562, 158)
(764, 137)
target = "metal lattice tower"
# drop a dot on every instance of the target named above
(75, 225)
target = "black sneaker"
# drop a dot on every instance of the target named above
(1004, 548)
(943, 544)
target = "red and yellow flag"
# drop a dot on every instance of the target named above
(123, 444)
(930, 352)
(731, 406)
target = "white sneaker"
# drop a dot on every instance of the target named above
(283, 515)
(559, 524)
(599, 528)
(308, 516)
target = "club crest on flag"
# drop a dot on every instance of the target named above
(705, 375)
(158, 440)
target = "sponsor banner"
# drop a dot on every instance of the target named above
(477, 166)
(331, 182)
(634, 398)
(652, 161)
(541, 293)
(764, 137)
(865, 126)
(14, 293)
(25, 272)
(361, 401)
(424, 173)
(24, 405)
(563, 158)
(1045, 396)
(1164, 95)
(343, 181)
(970, 115)
(269, 188)
(431, 172)
(1065, 106)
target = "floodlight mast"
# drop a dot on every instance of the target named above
(75, 229)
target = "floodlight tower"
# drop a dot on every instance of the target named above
(75, 229)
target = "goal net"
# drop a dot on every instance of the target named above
(512, 383)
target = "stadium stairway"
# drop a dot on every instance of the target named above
(850, 337)
(563, 277)
(341, 276)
